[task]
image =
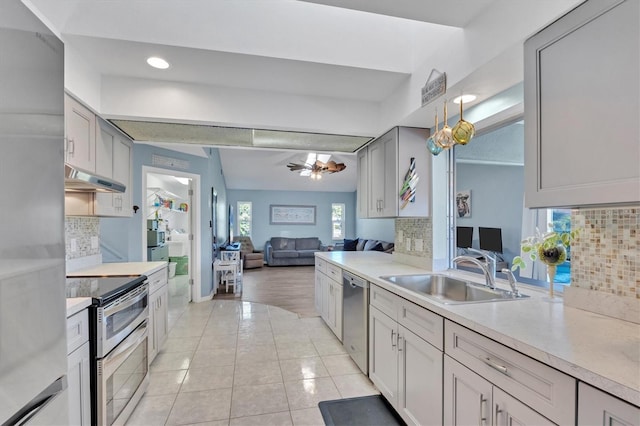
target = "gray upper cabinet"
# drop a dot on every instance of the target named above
(582, 97)
(80, 135)
(382, 167)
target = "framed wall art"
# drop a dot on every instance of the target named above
(292, 215)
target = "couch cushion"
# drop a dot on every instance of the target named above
(387, 246)
(307, 253)
(285, 254)
(310, 243)
(360, 245)
(283, 243)
(350, 245)
(370, 244)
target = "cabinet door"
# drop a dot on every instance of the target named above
(337, 297)
(161, 318)
(152, 346)
(599, 408)
(467, 396)
(105, 205)
(331, 305)
(318, 292)
(78, 364)
(80, 132)
(382, 176)
(509, 411)
(383, 354)
(122, 159)
(325, 298)
(420, 380)
(363, 184)
(572, 117)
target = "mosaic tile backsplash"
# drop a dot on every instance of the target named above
(606, 256)
(414, 228)
(81, 229)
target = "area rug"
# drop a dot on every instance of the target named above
(371, 410)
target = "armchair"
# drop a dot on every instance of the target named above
(251, 257)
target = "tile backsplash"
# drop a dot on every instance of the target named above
(606, 256)
(415, 229)
(81, 229)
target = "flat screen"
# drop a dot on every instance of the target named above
(464, 236)
(491, 239)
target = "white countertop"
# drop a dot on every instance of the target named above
(76, 304)
(599, 350)
(119, 269)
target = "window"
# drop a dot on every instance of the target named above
(244, 218)
(337, 221)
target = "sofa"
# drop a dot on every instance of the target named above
(363, 244)
(284, 251)
(251, 258)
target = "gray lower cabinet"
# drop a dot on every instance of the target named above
(78, 369)
(158, 312)
(598, 408)
(406, 368)
(469, 399)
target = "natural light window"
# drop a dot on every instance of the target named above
(244, 218)
(337, 221)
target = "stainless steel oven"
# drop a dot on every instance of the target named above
(122, 378)
(119, 343)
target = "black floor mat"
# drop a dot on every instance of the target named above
(365, 410)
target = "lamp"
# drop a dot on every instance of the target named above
(448, 137)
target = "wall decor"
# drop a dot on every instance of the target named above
(292, 215)
(463, 203)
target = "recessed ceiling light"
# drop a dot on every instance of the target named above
(159, 63)
(465, 99)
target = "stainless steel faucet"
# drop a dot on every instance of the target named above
(512, 282)
(488, 266)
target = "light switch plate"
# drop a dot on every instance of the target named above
(408, 244)
(419, 244)
(400, 236)
(94, 242)
(73, 245)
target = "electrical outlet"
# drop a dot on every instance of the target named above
(400, 236)
(408, 244)
(94, 243)
(419, 244)
(73, 245)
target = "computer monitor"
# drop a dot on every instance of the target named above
(490, 239)
(464, 236)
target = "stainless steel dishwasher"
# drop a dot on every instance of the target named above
(355, 319)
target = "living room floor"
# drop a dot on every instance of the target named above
(232, 362)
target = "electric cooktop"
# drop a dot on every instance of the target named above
(102, 289)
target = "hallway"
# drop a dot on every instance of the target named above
(229, 362)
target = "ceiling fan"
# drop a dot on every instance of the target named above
(315, 165)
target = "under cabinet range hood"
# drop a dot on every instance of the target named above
(78, 180)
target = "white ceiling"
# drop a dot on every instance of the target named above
(358, 50)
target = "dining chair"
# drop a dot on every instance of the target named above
(232, 273)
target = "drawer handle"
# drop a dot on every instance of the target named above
(393, 344)
(498, 367)
(483, 418)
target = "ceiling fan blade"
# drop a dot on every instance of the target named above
(295, 167)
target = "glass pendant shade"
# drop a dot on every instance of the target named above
(463, 131)
(431, 144)
(443, 138)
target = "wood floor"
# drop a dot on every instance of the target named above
(287, 287)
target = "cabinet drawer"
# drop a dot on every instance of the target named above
(422, 322)
(384, 300)
(334, 272)
(77, 330)
(321, 266)
(543, 388)
(158, 279)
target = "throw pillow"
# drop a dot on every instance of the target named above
(350, 245)
(377, 247)
(361, 244)
(370, 244)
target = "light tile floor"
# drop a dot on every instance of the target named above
(240, 363)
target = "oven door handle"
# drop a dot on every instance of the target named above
(126, 302)
(116, 357)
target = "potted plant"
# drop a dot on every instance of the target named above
(549, 248)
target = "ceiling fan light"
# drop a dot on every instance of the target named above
(323, 157)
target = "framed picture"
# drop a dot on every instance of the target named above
(292, 215)
(463, 203)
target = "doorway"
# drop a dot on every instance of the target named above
(172, 206)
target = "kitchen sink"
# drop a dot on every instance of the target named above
(449, 290)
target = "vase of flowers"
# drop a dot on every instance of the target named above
(549, 248)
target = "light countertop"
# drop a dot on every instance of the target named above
(599, 350)
(76, 304)
(119, 269)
